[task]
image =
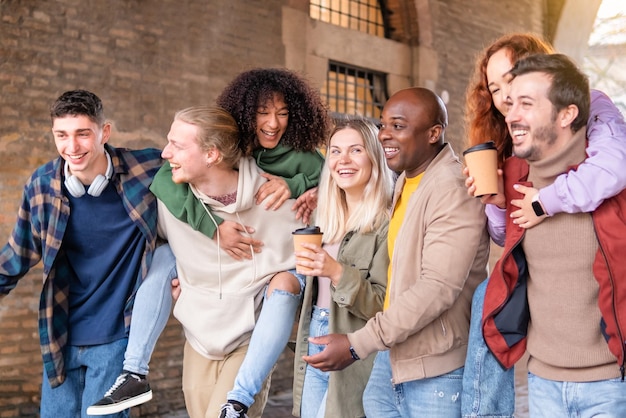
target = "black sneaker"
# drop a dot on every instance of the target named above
(128, 390)
(233, 409)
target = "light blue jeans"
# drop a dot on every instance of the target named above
(91, 370)
(315, 381)
(436, 397)
(151, 311)
(269, 338)
(488, 388)
(549, 399)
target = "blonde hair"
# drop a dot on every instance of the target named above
(216, 129)
(332, 209)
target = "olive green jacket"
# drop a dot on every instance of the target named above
(359, 295)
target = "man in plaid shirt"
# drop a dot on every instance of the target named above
(89, 215)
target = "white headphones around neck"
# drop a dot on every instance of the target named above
(77, 189)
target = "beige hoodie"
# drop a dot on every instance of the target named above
(221, 297)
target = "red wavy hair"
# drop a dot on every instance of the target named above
(484, 122)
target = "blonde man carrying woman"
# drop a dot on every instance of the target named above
(220, 297)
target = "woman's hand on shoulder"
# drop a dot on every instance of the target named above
(277, 190)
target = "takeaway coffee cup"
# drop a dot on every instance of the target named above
(311, 234)
(482, 162)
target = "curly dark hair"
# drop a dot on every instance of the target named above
(484, 121)
(308, 124)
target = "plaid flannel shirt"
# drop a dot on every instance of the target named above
(38, 234)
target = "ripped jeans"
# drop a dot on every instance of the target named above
(435, 397)
(269, 338)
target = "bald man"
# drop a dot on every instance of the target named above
(438, 247)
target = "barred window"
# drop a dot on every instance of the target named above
(355, 91)
(362, 15)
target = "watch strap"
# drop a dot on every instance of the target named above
(354, 355)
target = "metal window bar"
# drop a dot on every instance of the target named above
(355, 91)
(362, 15)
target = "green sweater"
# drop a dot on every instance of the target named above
(301, 171)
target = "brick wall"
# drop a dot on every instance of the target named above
(146, 59)
(461, 29)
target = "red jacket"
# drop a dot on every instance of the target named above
(506, 314)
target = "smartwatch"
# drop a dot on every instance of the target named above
(537, 207)
(354, 355)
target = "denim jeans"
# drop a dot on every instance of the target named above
(549, 398)
(151, 311)
(488, 389)
(91, 370)
(269, 338)
(435, 397)
(315, 381)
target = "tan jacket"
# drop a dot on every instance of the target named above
(439, 258)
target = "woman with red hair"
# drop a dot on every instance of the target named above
(488, 389)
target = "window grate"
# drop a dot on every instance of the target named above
(362, 15)
(355, 91)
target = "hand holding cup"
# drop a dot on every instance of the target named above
(311, 234)
(482, 163)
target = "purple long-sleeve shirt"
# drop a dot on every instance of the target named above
(599, 177)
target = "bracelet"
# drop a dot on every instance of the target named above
(354, 355)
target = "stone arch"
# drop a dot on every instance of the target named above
(410, 22)
(573, 27)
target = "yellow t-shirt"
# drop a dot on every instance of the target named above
(397, 217)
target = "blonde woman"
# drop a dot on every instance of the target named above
(349, 272)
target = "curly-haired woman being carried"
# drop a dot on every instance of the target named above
(281, 122)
